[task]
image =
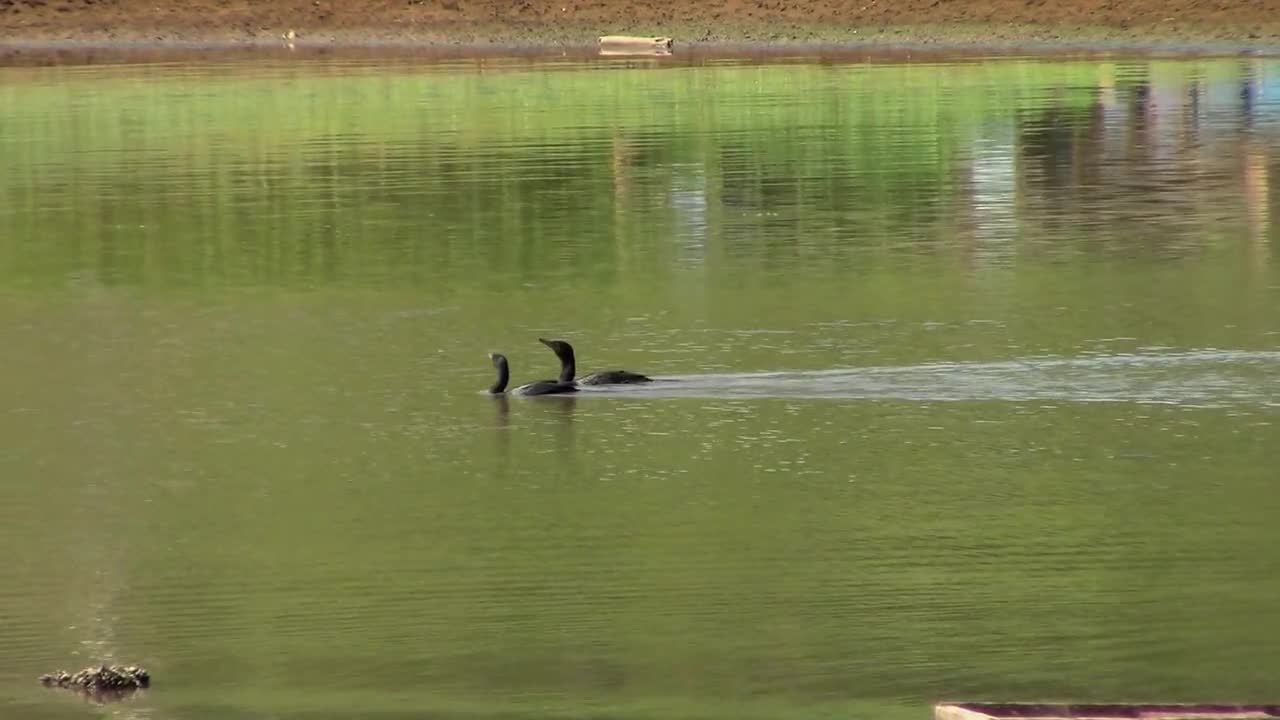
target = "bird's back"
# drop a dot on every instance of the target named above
(545, 387)
(614, 377)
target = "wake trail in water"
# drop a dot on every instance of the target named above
(1200, 378)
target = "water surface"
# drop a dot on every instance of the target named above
(972, 375)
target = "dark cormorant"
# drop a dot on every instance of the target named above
(537, 387)
(568, 367)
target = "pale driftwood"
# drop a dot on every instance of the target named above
(630, 42)
(1137, 711)
(610, 52)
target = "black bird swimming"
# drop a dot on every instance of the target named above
(537, 387)
(569, 367)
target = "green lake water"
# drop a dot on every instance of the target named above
(972, 386)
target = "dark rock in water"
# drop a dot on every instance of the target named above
(101, 681)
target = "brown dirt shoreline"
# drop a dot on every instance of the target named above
(44, 30)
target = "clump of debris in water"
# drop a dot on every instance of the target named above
(104, 682)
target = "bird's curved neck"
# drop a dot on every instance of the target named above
(568, 367)
(504, 375)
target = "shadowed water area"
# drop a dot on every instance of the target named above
(970, 386)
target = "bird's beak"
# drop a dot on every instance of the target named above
(544, 341)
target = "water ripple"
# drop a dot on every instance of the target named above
(1207, 378)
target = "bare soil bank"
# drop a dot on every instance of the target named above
(1136, 23)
